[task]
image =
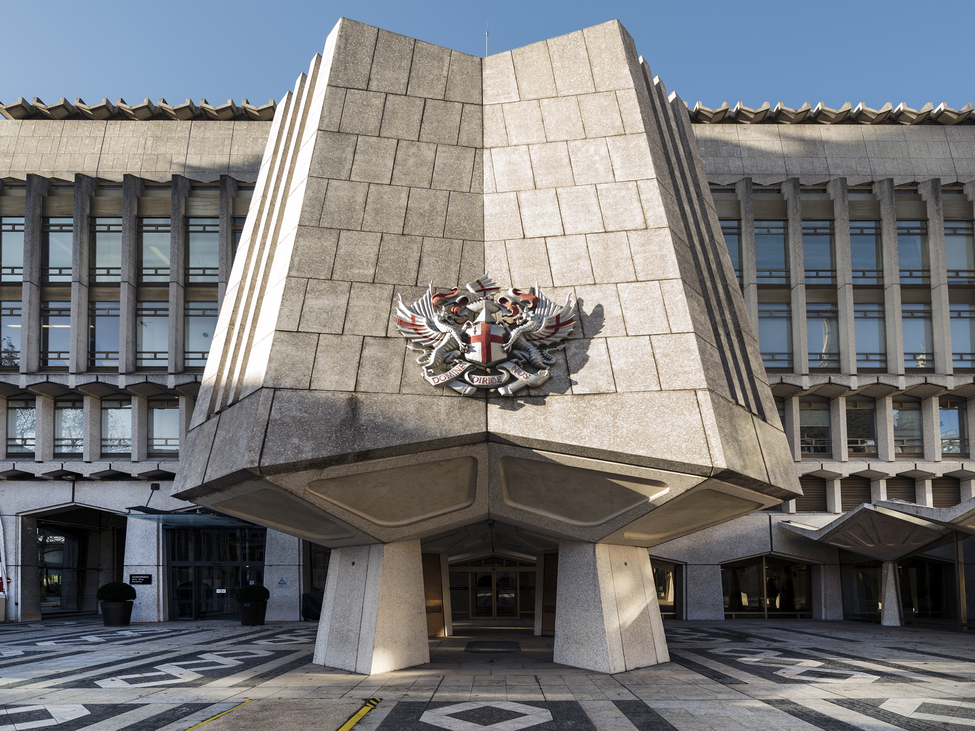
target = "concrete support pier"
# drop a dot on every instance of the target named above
(607, 617)
(373, 616)
(890, 608)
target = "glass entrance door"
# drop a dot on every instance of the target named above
(492, 588)
(207, 565)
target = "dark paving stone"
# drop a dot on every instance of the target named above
(492, 646)
(569, 716)
(404, 716)
(643, 717)
(817, 719)
(705, 671)
(871, 707)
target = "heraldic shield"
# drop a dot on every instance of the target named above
(482, 340)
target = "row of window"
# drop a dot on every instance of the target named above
(855, 491)
(151, 334)
(819, 251)
(870, 335)
(816, 438)
(162, 426)
(152, 248)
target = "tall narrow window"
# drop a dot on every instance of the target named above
(203, 242)
(55, 334)
(152, 335)
(116, 426)
(731, 230)
(10, 327)
(69, 429)
(21, 425)
(154, 239)
(12, 249)
(164, 426)
(822, 335)
(237, 234)
(103, 334)
(912, 252)
(962, 335)
(200, 322)
(871, 337)
(814, 428)
(106, 250)
(56, 246)
(775, 334)
(772, 252)
(918, 336)
(819, 259)
(861, 428)
(954, 427)
(960, 252)
(866, 252)
(908, 440)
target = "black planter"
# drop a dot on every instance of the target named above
(116, 614)
(252, 613)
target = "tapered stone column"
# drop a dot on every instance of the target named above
(607, 618)
(890, 608)
(373, 616)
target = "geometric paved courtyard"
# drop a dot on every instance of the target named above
(723, 676)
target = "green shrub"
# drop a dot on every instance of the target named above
(252, 593)
(116, 591)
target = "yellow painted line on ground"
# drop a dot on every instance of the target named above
(220, 714)
(358, 716)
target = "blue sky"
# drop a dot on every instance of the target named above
(814, 50)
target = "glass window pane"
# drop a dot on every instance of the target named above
(103, 332)
(154, 244)
(822, 335)
(954, 427)
(907, 427)
(962, 335)
(116, 426)
(21, 425)
(55, 333)
(10, 328)
(12, 248)
(814, 427)
(731, 230)
(871, 337)
(861, 427)
(200, 322)
(866, 253)
(203, 240)
(775, 334)
(152, 334)
(912, 251)
(106, 249)
(164, 425)
(960, 252)
(918, 336)
(817, 252)
(772, 252)
(69, 428)
(56, 245)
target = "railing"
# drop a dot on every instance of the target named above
(106, 274)
(20, 445)
(824, 360)
(9, 358)
(772, 276)
(154, 274)
(868, 276)
(817, 447)
(202, 274)
(820, 276)
(908, 446)
(68, 445)
(777, 360)
(919, 360)
(963, 360)
(872, 360)
(57, 358)
(116, 445)
(915, 276)
(961, 276)
(955, 446)
(195, 358)
(169, 445)
(56, 274)
(11, 274)
(103, 358)
(861, 447)
(152, 358)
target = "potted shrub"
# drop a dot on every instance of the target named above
(252, 602)
(116, 598)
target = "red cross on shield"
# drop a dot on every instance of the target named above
(486, 344)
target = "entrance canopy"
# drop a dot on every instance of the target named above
(891, 530)
(198, 518)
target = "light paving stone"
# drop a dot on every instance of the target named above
(678, 361)
(600, 114)
(502, 219)
(368, 309)
(550, 165)
(402, 116)
(499, 83)
(441, 122)
(385, 208)
(590, 161)
(512, 169)
(464, 79)
(471, 126)
(580, 210)
(533, 71)
(634, 367)
(540, 213)
(391, 63)
(570, 64)
(465, 216)
(610, 67)
(356, 256)
(325, 306)
(495, 134)
(528, 262)
(569, 260)
(610, 257)
(589, 366)
(373, 160)
(600, 312)
(620, 206)
(428, 71)
(414, 164)
(399, 259)
(426, 212)
(344, 205)
(439, 262)
(631, 157)
(453, 168)
(523, 122)
(333, 156)
(562, 119)
(362, 113)
(376, 374)
(643, 308)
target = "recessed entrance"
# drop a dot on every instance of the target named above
(492, 588)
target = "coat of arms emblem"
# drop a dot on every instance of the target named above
(481, 339)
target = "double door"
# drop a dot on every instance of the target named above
(495, 594)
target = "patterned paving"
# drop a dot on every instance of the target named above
(724, 675)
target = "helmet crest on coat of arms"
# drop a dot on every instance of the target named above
(480, 339)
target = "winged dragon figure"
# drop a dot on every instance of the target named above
(481, 339)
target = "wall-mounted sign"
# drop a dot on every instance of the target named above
(137, 579)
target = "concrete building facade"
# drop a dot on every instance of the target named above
(763, 299)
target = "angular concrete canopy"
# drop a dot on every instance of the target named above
(395, 165)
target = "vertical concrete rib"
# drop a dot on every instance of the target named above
(930, 191)
(228, 190)
(128, 286)
(797, 277)
(177, 270)
(843, 262)
(37, 188)
(884, 190)
(746, 249)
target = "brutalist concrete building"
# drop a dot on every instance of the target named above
(438, 339)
